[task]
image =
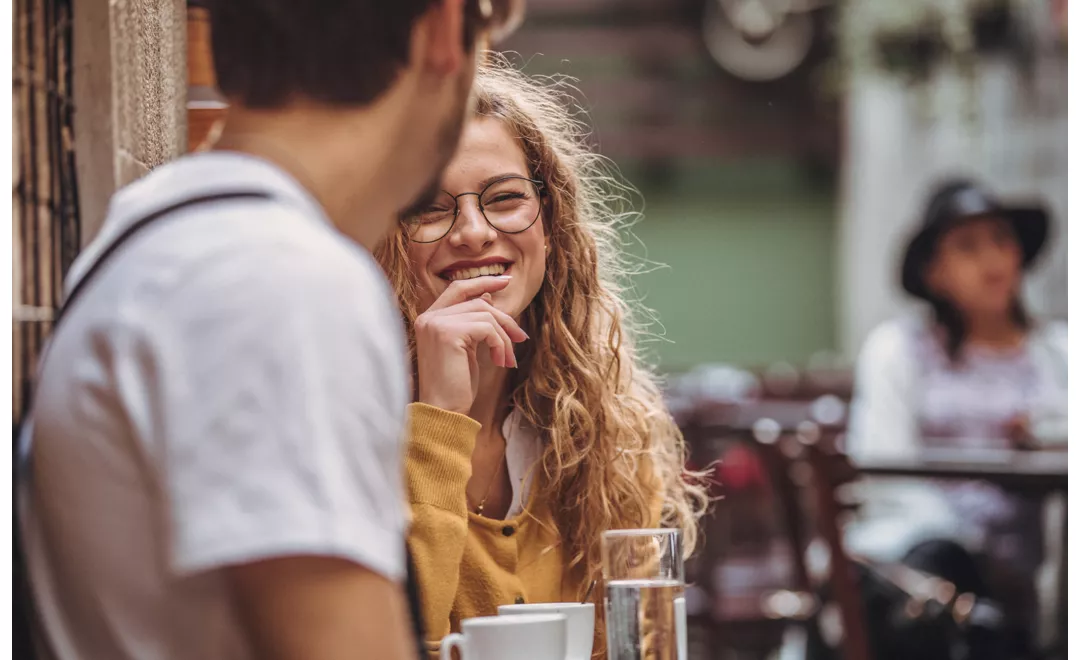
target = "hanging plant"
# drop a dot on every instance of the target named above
(909, 39)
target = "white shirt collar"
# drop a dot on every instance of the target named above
(523, 452)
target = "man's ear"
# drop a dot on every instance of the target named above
(441, 33)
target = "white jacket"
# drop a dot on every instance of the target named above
(898, 513)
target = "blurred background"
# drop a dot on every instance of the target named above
(784, 149)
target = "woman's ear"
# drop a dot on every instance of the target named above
(545, 215)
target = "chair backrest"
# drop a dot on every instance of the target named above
(803, 457)
(779, 451)
(776, 431)
(830, 469)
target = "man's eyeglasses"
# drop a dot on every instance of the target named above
(497, 19)
(510, 205)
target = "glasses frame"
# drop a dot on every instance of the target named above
(540, 193)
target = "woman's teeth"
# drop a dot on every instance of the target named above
(469, 273)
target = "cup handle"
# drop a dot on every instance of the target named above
(449, 642)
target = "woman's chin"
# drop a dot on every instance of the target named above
(993, 309)
(513, 311)
(509, 304)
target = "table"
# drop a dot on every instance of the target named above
(1039, 471)
(1032, 471)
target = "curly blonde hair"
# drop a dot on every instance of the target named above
(610, 444)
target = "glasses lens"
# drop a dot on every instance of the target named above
(511, 205)
(433, 222)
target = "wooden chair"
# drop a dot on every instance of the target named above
(736, 567)
(830, 469)
(770, 428)
(807, 460)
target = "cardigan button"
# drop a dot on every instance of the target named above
(520, 600)
(508, 530)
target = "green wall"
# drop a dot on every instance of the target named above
(749, 254)
(748, 243)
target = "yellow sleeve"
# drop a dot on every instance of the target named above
(438, 464)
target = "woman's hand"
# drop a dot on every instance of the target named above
(448, 335)
(1018, 431)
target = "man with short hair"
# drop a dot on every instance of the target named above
(216, 470)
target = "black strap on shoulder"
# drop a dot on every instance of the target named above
(137, 227)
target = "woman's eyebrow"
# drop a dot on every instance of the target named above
(492, 179)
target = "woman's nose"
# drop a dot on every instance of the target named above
(471, 228)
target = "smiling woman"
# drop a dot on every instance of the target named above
(535, 427)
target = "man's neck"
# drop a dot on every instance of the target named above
(342, 158)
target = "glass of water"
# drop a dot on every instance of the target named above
(644, 603)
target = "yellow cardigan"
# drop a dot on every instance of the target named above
(467, 565)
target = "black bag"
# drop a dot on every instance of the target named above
(23, 611)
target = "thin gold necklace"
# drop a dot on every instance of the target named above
(487, 493)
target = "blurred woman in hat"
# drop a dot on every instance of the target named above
(975, 373)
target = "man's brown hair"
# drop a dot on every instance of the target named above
(340, 52)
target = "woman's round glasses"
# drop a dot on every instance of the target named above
(510, 205)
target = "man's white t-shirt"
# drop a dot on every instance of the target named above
(231, 387)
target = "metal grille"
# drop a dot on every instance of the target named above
(45, 216)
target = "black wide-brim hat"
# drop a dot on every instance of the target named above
(955, 202)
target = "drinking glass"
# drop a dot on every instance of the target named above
(644, 581)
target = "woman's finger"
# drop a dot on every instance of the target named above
(462, 290)
(508, 358)
(480, 305)
(487, 333)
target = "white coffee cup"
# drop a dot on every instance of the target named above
(580, 620)
(525, 637)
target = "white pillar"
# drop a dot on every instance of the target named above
(130, 83)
